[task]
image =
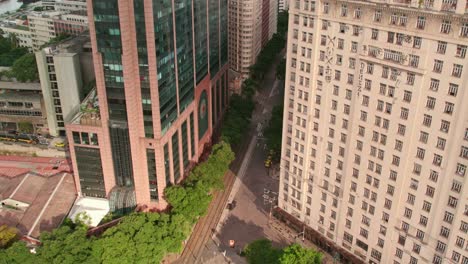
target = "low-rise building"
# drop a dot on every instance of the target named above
(70, 5)
(21, 34)
(65, 70)
(36, 193)
(22, 102)
(64, 5)
(45, 26)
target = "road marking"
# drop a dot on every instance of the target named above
(274, 87)
(235, 187)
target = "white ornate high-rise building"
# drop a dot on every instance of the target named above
(375, 135)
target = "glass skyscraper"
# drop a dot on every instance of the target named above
(161, 80)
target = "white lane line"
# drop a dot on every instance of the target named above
(274, 88)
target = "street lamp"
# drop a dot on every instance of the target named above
(301, 233)
(270, 197)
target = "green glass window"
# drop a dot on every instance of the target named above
(184, 41)
(218, 97)
(152, 178)
(214, 36)
(185, 154)
(164, 39)
(223, 91)
(76, 137)
(201, 40)
(121, 153)
(107, 25)
(175, 156)
(192, 136)
(88, 161)
(167, 164)
(224, 31)
(140, 27)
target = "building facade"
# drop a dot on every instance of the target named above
(19, 103)
(65, 5)
(21, 34)
(251, 26)
(283, 5)
(45, 26)
(161, 78)
(65, 70)
(375, 135)
(70, 5)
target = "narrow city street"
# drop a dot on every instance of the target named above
(254, 192)
(255, 189)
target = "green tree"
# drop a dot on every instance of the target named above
(282, 23)
(7, 235)
(281, 69)
(17, 253)
(25, 68)
(261, 251)
(237, 119)
(57, 39)
(295, 254)
(25, 127)
(274, 130)
(66, 245)
(9, 53)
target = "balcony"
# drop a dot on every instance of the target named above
(407, 2)
(449, 6)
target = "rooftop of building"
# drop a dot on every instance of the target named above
(36, 194)
(55, 14)
(24, 86)
(22, 95)
(72, 44)
(89, 111)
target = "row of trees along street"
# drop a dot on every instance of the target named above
(261, 251)
(140, 237)
(238, 115)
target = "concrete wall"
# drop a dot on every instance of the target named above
(46, 92)
(68, 70)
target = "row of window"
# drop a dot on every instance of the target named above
(397, 19)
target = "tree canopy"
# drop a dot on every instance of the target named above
(7, 235)
(24, 69)
(9, 51)
(237, 119)
(274, 130)
(281, 69)
(295, 254)
(261, 251)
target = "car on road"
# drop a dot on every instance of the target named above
(60, 144)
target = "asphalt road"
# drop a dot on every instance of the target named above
(249, 220)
